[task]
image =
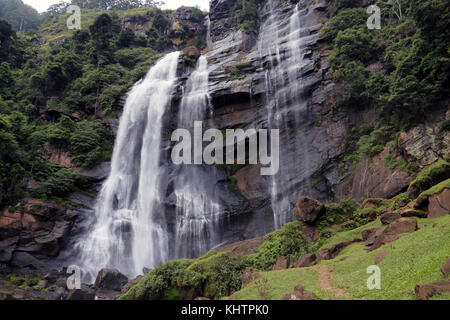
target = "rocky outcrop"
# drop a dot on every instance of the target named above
(374, 179)
(331, 253)
(426, 143)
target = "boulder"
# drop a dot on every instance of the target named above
(23, 260)
(407, 213)
(439, 204)
(305, 261)
(84, 293)
(371, 235)
(110, 279)
(426, 291)
(327, 254)
(389, 217)
(281, 264)
(299, 294)
(307, 209)
(391, 232)
(249, 275)
(445, 269)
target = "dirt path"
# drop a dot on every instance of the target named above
(325, 275)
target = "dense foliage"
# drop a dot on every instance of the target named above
(401, 70)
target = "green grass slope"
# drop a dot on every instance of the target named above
(415, 258)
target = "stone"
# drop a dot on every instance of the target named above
(426, 291)
(371, 216)
(23, 260)
(445, 269)
(281, 264)
(249, 275)
(84, 293)
(439, 204)
(328, 254)
(307, 209)
(305, 261)
(371, 235)
(408, 213)
(389, 217)
(110, 279)
(391, 232)
(380, 256)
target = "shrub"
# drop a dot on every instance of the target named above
(289, 241)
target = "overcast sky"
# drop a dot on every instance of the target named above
(42, 5)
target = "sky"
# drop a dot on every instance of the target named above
(42, 5)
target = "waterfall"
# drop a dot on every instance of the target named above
(197, 207)
(130, 231)
(208, 32)
(281, 48)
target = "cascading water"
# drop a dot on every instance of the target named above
(208, 31)
(129, 233)
(198, 210)
(281, 48)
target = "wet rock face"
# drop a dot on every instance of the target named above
(110, 279)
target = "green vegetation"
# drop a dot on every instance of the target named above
(287, 241)
(245, 14)
(58, 86)
(217, 275)
(414, 259)
(401, 70)
(431, 176)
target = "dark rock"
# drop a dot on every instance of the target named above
(426, 291)
(372, 234)
(305, 261)
(105, 294)
(281, 264)
(84, 293)
(7, 248)
(310, 232)
(110, 279)
(328, 254)
(371, 216)
(23, 260)
(307, 209)
(391, 232)
(389, 217)
(408, 213)
(445, 269)
(249, 275)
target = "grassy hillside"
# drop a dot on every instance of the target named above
(414, 259)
